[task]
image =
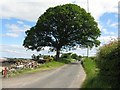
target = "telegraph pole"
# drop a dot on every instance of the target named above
(88, 12)
(88, 5)
(87, 51)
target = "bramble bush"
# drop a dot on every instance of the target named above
(109, 63)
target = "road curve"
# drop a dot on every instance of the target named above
(68, 76)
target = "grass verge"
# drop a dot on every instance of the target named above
(93, 79)
(66, 60)
(43, 67)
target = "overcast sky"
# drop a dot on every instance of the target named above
(19, 15)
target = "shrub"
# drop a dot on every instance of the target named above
(92, 58)
(67, 58)
(48, 58)
(108, 62)
(74, 56)
(66, 55)
(36, 57)
(80, 56)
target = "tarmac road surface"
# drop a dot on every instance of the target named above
(67, 76)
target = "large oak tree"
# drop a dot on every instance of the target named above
(63, 27)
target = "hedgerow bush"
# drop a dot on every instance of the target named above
(92, 58)
(48, 58)
(75, 56)
(66, 55)
(109, 63)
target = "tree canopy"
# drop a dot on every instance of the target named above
(63, 27)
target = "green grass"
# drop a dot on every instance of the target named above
(66, 60)
(107, 60)
(43, 67)
(89, 66)
(93, 79)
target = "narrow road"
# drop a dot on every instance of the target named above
(68, 76)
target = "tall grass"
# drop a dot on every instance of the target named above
(93, 80)
(104, 71)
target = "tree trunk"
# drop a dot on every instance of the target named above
(57, 54)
